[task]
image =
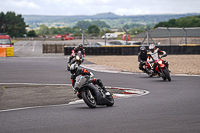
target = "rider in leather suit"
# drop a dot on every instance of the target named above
(154, 55)
(75, 71)
(74, 52)
(142, 58)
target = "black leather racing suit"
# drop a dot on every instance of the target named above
(142, 58)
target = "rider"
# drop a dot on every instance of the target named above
(80, 48)
(142, 58)
(76, 71)
(154, 55)
(74, 52)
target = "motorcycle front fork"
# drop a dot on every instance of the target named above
(102, 93)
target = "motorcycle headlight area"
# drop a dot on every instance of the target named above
(159, 62)
(80, 81)
(77, 58)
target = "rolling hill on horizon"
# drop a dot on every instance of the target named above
(115, 21)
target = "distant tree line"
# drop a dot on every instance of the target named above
(190, 21)
(86, 24)
(12, 24)
(109, 18)
(91, 28)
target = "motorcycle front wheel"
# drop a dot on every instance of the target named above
(166, 72)
(111, 100)
(89, 99)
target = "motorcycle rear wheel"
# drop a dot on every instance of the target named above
(89, 99)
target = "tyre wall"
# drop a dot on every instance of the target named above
(173, 50)
(131, 50)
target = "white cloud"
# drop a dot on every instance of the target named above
(21, 4)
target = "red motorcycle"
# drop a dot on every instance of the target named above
(161, 69)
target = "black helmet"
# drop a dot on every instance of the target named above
(142, 48)
(80, 45)
(73, 68)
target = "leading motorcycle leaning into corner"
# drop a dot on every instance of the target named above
(73, 54)
(88, 88)
(153, 57)
(75, 71)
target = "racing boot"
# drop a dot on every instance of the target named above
(107, 93)
(145, 71)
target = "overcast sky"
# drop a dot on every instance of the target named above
(92, 7)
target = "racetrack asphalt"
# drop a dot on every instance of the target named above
(31, 95)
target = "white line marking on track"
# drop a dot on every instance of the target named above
(33, 84)
(20, 47)
(33, 49)
(32, 107)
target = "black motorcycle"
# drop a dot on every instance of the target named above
(92, 94)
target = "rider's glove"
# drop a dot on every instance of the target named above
(91, 75)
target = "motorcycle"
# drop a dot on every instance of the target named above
(148, 69)
(77, 58)
(161, 69)
(92, 94)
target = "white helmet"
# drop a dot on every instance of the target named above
(152, 47)
(73, 68)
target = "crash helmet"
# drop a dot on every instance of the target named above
(152, 47)
(73, 68)
(80, 45)
(142, 48)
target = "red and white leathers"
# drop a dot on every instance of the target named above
(154, 56)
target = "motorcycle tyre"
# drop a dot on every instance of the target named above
(87, 100)
(111, 101)
(150, 75)
(163, 74)
(167, 74)
(164, 78)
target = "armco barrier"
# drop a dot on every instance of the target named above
(175, 50)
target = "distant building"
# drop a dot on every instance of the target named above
(114, 30)
(173, 36)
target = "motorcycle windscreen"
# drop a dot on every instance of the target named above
(80, 81)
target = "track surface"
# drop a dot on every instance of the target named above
(170, 107)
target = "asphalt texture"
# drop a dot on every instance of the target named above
(21, 96)
(14, 96)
